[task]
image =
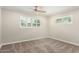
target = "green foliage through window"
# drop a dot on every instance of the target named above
(29, 22)
(66, 19)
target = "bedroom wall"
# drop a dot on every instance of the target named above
(11, 31)
(65, 32)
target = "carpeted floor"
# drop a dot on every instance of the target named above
(40, 46)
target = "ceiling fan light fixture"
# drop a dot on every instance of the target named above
(39, 9)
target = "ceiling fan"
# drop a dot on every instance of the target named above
(39, 9)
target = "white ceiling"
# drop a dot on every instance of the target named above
(50, 10)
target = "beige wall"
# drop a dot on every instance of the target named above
(0, 24)
(11, 31)
(66, 32)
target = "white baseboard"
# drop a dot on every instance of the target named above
(64, 41)
(24, 40)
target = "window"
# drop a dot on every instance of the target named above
(28, 22)
(65, 19)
